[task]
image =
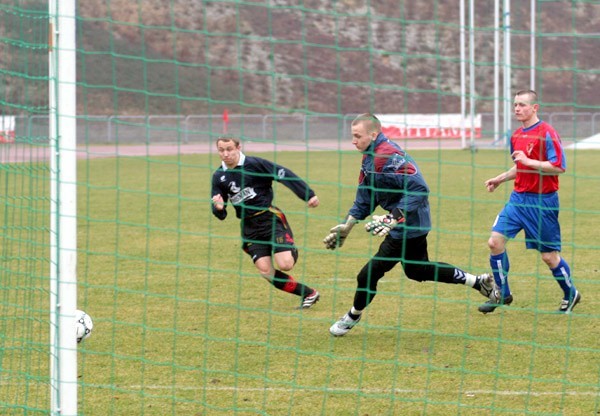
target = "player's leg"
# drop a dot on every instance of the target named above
(264, 265)
(383, 261)
(281, 280)
(417, 267)
(546, 238)
(499, 262)
(500, 266)
(285, 261)
(562, 273)
(285, 257)
(387, 256)
(268, 238)
(506, 226)
(256, 243)
(261, 256)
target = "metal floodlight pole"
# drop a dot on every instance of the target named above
(472, 71)
(63, 207)
(532, 46)
(463, 102)
(507, 72)
(496, 70)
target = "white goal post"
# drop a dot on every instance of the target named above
(63, 209)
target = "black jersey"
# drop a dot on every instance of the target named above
(249, 186)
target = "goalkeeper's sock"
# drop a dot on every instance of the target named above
(465, 278)
(450, 274)
(562, 274)
(354, 313)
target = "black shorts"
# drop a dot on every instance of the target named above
(267, 233)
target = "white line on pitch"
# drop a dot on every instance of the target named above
(371, 391)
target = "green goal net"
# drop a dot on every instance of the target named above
(183, 322)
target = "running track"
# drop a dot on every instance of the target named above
(20, 153)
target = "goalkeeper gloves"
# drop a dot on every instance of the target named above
(381, 225)
(337, 235)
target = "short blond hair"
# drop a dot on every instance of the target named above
(531, 93)
(370, 121)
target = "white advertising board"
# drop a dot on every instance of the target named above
(428, 126)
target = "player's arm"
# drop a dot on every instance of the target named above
(337, 235)
(545, 166)
(554, 156)
(218, 207)
(360, 209)
(493, 183)
(290, 180)
(218, 201)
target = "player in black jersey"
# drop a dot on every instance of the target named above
(246, 182)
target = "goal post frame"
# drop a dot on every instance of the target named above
(63, 206)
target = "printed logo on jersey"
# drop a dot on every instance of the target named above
(397, 162)
(238, 195)
(233, 188)
(223, 178)
(530, 148)
(281, 173)
(401, 165)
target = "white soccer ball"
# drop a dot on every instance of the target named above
(83, 325)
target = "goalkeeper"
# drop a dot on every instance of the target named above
(391, 179)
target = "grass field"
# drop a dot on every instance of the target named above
(184, 325)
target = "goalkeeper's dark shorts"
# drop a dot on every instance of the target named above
(267, 232)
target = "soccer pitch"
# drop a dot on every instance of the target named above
(184, 324)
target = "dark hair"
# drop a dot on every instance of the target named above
(372, 122)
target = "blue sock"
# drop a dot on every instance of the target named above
(500, 267)
(562, 274)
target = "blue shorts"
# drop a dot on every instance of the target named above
(537, 215)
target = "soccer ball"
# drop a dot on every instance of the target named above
(83, 325)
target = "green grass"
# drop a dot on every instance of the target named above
(185, 326)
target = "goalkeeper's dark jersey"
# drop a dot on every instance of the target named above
(249, 186)
(389, 178)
